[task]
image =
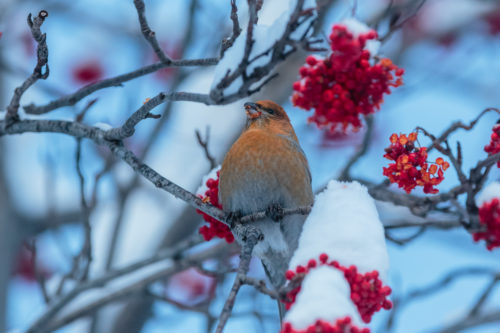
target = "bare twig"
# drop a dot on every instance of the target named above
(200, 308)
(435, 287)
(39, 275)
(128, 128)
(345, 174)
(252, 236)
(396, 22)
(228, 42)
(148, 33)
(460, 125)
(493, 316)
(45, 324)
(484, 296)
(86, 252)
(275, 54)
(260, 285)
(406, 240)
(59, 303)
(204, 144)
(72, 99)
(42, 58)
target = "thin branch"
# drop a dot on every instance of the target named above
(260, 285)
(148, 33)
(128, 128)
(39, 275)
(227, 43)
(163, 298)
(460, 125)
(395, 20)
(42, 53)
(345, 174)
(430, 224)
(86, 252)
(59, 303)
(484, 297)
(447, 152)
(136, 287)
(483, 319)
(204, 145)
(275, 54)
(406, 240)
(252, 236)
(435, 287)
(116, 81)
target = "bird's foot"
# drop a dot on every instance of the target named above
(233, 217)
(275, 212)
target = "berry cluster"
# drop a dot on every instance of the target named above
(489, 215)
(411, 168)
(343, 325)
(215, 228)
(494, 146)
(367, 291)
(344, 86)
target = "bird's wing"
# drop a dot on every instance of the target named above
(297, 146)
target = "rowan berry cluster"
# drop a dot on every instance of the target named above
(215, 228)
(343, 325)
(367, 291)
(489, 216)
(411, 168)
(494, 146)
(344, 85)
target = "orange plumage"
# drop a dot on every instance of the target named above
(266, 167)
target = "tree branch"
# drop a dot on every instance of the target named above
(251, 237)
(50, 325)
(148, 33)
(42, 53)
(204, 145)
(59, 303)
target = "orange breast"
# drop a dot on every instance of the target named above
(263, 168)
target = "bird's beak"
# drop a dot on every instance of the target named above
(252, 110)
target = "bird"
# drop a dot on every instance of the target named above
(266, 170)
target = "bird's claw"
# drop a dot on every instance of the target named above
(275, 212)
(233, 217)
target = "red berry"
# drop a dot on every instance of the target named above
(489, 217)
(410, 168)
(215, 228)
(344, 86)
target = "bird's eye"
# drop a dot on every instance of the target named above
(270, 111)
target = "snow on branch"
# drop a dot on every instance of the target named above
(343, 240)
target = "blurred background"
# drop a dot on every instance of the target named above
(449, 50)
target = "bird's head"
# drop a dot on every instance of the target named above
(265, 113)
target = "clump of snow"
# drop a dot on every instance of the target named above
(325, 295)
(357, 28)
(344, 224)
(489, 192)
(203, 187)
(103, 126)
